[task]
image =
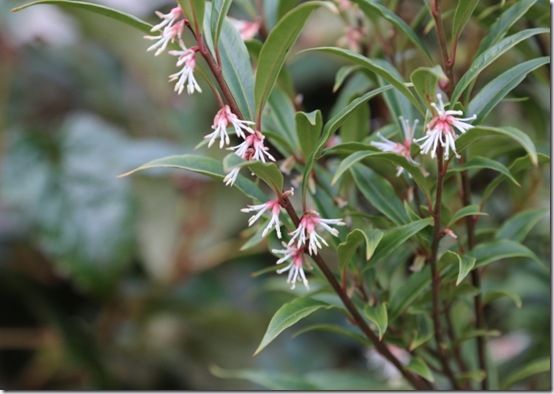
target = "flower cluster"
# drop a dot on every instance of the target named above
(170, 31)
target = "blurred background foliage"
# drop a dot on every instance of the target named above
(139, 283)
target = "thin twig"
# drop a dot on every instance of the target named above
(447, 61)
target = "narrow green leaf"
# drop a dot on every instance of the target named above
(418, 366)
(496, 294)
(425, 80)
(465, 265)
(423, 332)
(469, 210)
(489, 252)
(479, 162)
(464, 10)
(378, 316)
(489, 56)
(370, 6)
(342, 74)
(98, 9)
(368, 236)
(374, 67)
(267, 172)
(206, 166)
(220, 8)
(499, 28)
(396, 237)
(194, 10)
(541, 365)
(288, 315)
(276, 48)
(379, 192)
(495, 91)
(279, 115)
(308, 128)
(347, 163)
(478, 132)
(336, 329)
(518, 226)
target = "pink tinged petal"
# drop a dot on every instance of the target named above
(231, 177)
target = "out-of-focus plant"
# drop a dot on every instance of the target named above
(401, 240)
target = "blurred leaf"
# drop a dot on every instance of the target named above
(202, 165)
(518, 226)
(379, 192)
(336, 329)
(422, 333)
(378, 316)
(194, 10)
(268, 379)
(397, 236)
(308, 127)
(220, 8)
(476, 133)
(541, 365)
(96, 8)
(356, 126)
(374, 5)
(276, 48)
(501, 26)
(343, 73)
(496, 294)
(489, 252)
(418, 366)
(489, 56)
(479, 162)
(374, 67)
(279, 116)
(465, 265)
(369, 236)
(495, 91)
(288, 315)
(469, 210)
(425, 81)
(464, 10)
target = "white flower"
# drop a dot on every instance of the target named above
(231, 177)
(295, 257)
(442, 130)
(253, 148)
(222, 120)
(274, 206)
(172, 26)
(186, 59)
(307, 231)
(402, 149)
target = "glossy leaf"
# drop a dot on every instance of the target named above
(489, 56)
(496, 294)
(497, 89)
(378, 316)
(518, 226)
(418, 366)
(396, 237)
(489, 252)
(425, 80)
(469, 210)
(343, 73)
(96, 8)
(371, 6)
(288, 315)
(308, 127)
(220, 8)
(267, 172)
(478, 132)
(336, 329)
(368, 236)
(464, 10)
(465, 265)
(479, 162)
(276, 48)
(202, 165)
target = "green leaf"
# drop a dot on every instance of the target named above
(347, 163)
(331, 126)
(308, 127)
(220, 8)
(235, 63)
(194, 10)
(203, 165)
(279, 116)
(496, 294)
(288, 315)
(495, 91)
(489, 252)
(464, 10)
(269, 379)
(518, 226)
(276, 48)
(423, 332)
(489, 56)
(98, 9)
(499, 28)
(476, 133)
(342, 74)
(469, 210)
(356, 126)
(465, 265)
(425, 81)
(370, 236)
(267, 172)
(379, 192)
(378, 316)
(374, 67)
(336, 329)
(418, 366)
(479, 162)
(371, 6)
(396, 237)
(541, 365)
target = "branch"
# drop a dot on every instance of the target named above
(447, 61)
